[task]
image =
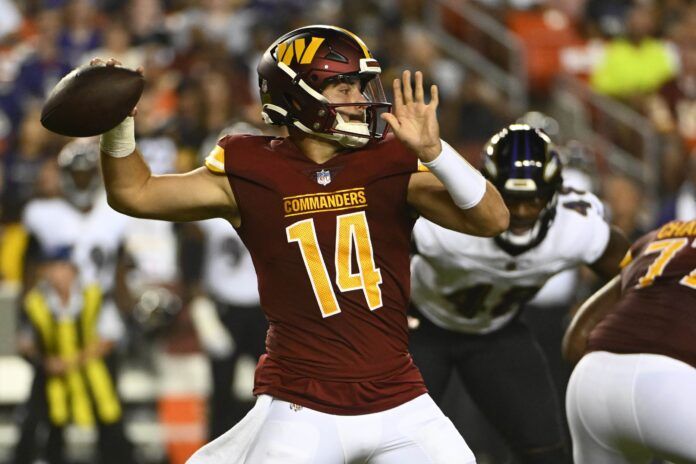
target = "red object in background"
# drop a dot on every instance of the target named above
(544, 33)
(183, 418)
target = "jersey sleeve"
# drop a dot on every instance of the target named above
(587, 231)
(215, 161)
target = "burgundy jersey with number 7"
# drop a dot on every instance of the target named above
(330, 243)
(657, 311)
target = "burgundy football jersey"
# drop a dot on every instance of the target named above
(330, 244)
(657, 310)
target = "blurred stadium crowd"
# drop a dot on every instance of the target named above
(200, 67)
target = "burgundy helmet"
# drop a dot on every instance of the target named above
(299, 65)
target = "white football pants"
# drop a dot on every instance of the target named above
(278, 432)
(626, 408)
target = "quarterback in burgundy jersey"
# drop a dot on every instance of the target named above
(326, 214)
(631, 398)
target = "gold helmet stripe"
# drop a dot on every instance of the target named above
(356, 38)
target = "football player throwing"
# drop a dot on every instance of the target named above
(326, 214)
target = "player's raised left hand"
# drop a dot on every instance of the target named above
(413, 121)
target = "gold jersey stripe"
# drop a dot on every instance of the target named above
(627, 259)
(215, 161)
(357, 39)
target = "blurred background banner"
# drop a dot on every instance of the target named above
(613, 83)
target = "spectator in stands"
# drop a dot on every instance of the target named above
(117, 43)
(673, 108)
(81, 33)
(606, 18)
(21, 166)
(42, 70)
(625, 201)
(637, 63)
(66, 335)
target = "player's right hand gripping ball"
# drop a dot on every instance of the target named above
(92, 100)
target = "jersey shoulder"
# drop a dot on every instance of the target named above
(671, 230)
(392, 152)
(238, 145)
(42, 213)
(580, 229)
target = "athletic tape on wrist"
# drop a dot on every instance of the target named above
(119, 142)
(465, 184)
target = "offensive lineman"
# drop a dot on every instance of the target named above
(631, 397)
(470, 291)
(326, 214)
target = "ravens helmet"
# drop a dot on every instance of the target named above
(298, 66)
(79, 172)
(525, 167)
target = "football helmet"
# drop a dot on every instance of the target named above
(79, 172)
(524, 165)
(298, 66)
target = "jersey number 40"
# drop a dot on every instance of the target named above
(352, 233)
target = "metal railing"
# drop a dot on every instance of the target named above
(505, 67)
(626, 139)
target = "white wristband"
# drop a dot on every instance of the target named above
(119, 142)
(465, 184)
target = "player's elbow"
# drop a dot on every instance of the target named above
(121, 204)
(494, 222)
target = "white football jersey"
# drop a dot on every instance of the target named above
(469, 284)
(53, 221)
(94, 235)
(228, 274)
(96, 251)
(153, 247)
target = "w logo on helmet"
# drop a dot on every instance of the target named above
(298, 50)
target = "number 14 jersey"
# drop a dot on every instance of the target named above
(330, 244)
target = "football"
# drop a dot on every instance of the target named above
(91, 100)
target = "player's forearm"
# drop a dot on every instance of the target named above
(592, 311)
(432, 200)
(124, 169)
(479, 207)
(490, 216)
(124, 180)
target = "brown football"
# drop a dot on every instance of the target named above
(91, 100)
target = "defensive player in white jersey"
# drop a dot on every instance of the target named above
(80, 217)
(228, 317)
(470, 291)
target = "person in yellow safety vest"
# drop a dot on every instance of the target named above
(66, 335)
